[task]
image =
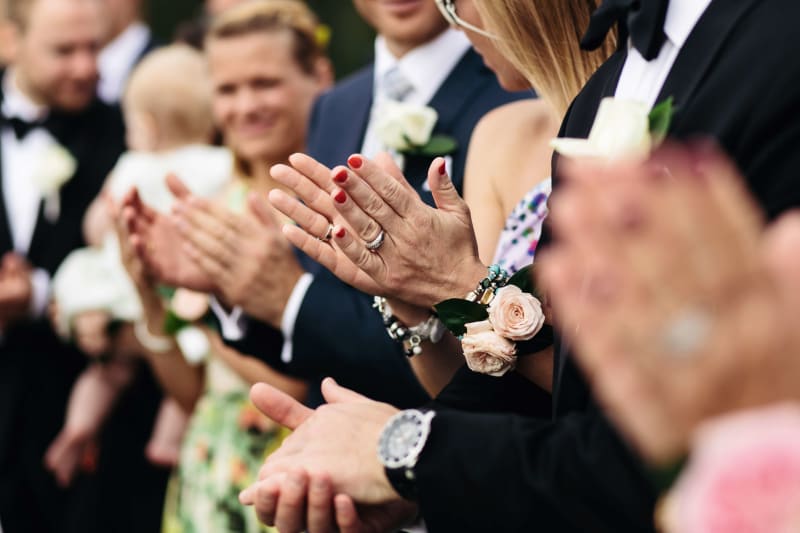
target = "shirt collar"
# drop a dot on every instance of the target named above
(426, 66)
(125, 47)
(682, 17)
(18, 104)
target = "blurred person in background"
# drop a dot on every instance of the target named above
(5, 34)
(129, 40)
(57, 144)
(267, 67)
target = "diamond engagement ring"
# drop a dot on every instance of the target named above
(376, 243)
(687, 332)
(328, 234)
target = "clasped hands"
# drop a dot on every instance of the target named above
(679, 302)
(326, 474)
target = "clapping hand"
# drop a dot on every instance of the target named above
(328, 463)
(159, 245)
(251, 262)
(16, 290)
(419, 254)
(679, 306)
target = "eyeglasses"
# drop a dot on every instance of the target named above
(448, 10)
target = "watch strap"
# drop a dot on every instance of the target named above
(404, 482)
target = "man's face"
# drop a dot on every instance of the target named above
(409, 23)
(56, 52)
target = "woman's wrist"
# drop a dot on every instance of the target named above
(468, 278)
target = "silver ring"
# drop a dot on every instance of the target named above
(328, 234)
(687, 332)
(376, 243)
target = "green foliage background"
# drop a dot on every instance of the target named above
(351, 40)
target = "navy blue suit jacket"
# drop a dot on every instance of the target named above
(337, 332)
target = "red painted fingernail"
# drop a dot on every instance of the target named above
(355, 162)
(443, 168)
(340, 197)
(341, 176)
(340, 233)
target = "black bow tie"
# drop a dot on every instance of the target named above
(642, 20)
(22, 128)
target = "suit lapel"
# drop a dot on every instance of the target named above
(466, 79)
(71, 137)
(700, 51)
(355, 110)
(6, 243)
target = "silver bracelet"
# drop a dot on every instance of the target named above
(432, 329)
(153, 343)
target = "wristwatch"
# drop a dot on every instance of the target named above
(402, 440)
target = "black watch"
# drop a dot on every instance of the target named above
(402, 440)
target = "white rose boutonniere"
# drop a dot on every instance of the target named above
(56, 167)
(622, 129)
(407, 129)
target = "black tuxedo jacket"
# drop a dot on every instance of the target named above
(734, 80)
(36, 369)
(337, 332)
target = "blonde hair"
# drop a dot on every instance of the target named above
(259, 16)
(173, 86)
(541, 39)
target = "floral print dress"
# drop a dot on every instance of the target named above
(223, 449)
(523, 229)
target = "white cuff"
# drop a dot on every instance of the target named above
(40, 292)
(417, 527)
(233, 324)
(290, 313)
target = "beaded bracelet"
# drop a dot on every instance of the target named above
(412, 337)
(484, 292)
(153, 343)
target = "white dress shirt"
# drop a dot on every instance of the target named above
(642, 80)
(22, 198)
(117, 59)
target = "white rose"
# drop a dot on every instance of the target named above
(401, 126)
(55, 168)
(516, 315)
(194, 344)
(621, 130)
(487, 352)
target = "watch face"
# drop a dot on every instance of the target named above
(402, 437)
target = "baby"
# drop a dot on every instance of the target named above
(169, 127)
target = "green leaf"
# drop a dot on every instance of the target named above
(439, 145)
(524, 280)
(173, 323)
(455, 313)
(661, 119)
(166, 292)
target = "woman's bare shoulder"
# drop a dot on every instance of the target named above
(522, 121)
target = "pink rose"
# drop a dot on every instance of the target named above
(189, 305)
(516, 315)
(486, 351)
(744, 475)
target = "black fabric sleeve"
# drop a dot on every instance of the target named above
(483, 472)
